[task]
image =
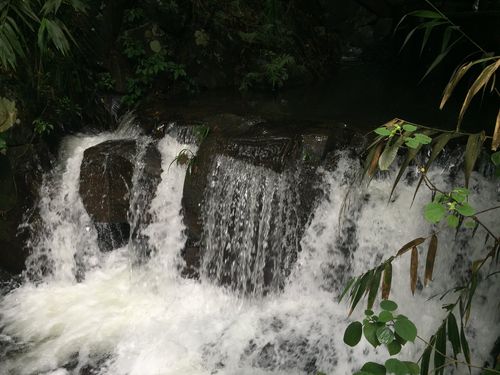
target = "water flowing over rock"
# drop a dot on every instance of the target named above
(268, 167)
(106, 313)
(106, 180)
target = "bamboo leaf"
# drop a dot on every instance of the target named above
(389, 154)
(465, 346)
(440, 351)
(437, 61)
(429, 26)
(431, 257)
(472, 151)
(409, 245)
(496, 134)
(453, 334)
(472, 290)
(479, 83)
(426, 357)
(371, 162)
(457, 76)
(374, 285)
(361, 289)
(386, 281)
(413, 269)
(347, 287)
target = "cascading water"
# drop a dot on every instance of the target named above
(251, 228)
(144, 319)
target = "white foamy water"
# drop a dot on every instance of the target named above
(146, 320)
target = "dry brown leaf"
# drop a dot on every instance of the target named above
(431, 257)
(413, 269)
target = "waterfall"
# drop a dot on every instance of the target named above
(125, 317)
(251, 228)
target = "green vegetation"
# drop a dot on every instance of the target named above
(449, 207)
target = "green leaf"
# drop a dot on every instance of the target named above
(434, 212)
(426, 356)
(412, 143)
(155, 46)
(394, 347)
(373, 368)
(383, 131)
(465, 209)
(385, 335)
(422, 138)
(426, 14)
(389, 154)
(388, 305)
(368, 312)
(495, 158)
(460, 194)
(465, 346)
(395, 366)
(8, 114)
(406, 329)
(440, 351)
(452, 221)
(370, 333)
(409, 128)
(413, 368)
(374, 285)
(385, 316)
(347, 287)
(453, 334)
(472, 151)
(431, 257)
(353, 333)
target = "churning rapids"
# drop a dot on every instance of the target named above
(143, 318)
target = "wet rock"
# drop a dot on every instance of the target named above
(291, 149)
(105, 180)
(21, 176)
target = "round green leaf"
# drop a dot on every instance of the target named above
(155, 46)
(406, 329)
(395, 366)
(452, 221)
(388, 305)
(353, 333)
(434, 212)
(465, 209)
(383, 131)
(368, 312)
(413, 368)
(394, 347)
(373, 368)
(423, 139)
(385, 316)
(460, 194)
(409, 128)
(412, 143)
(385, 335)
(370, 333)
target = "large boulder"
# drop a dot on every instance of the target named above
(106, 180)
(290, 150)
